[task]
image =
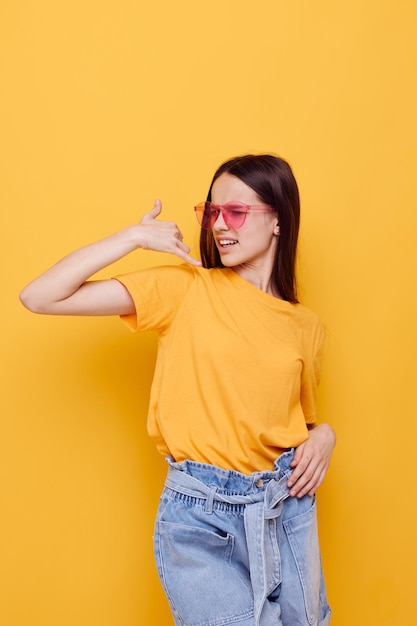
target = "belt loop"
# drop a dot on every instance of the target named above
(209, 502)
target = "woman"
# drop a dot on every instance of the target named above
(233, 397)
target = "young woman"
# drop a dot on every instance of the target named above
(233, 397)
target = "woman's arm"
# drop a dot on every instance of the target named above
(311, 460)
(64, 289)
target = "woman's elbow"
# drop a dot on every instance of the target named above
(32, 302)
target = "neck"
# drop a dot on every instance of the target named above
(259, 279)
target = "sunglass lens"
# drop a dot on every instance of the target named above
(201, 214)
(209, 216)
(234, 214)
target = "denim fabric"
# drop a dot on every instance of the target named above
(236, 549)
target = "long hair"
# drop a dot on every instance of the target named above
(272, 179)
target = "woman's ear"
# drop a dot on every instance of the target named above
(276, 230)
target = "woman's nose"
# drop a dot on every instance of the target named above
(220, 223)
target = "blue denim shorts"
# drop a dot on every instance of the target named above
(236, 549)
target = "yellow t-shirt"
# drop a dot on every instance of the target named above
(237, 369)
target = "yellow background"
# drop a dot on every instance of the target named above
(107, 105)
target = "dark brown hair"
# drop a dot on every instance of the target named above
(272, 179)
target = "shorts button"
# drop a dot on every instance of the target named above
(259, 483)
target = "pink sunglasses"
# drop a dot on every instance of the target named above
(234, 213)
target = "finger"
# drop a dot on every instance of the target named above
(154, 212)
(182, 250)
(311, 487)
(300, 468)
(183, 246)
(191, 261)
(297, 455)
(297, 483)
(310, 482)
(296, 475)
(302, 487)
(186, 257)
(307, 470)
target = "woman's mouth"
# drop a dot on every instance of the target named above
(226, 243)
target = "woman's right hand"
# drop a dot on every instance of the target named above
(65, 288)
(163, 236)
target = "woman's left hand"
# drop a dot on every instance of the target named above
(311, 461)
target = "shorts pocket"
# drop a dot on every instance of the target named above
(195, 568)
(302, 535)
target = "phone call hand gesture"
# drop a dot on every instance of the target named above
(163, 236)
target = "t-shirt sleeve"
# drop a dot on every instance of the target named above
(310, 377)
(157, 294)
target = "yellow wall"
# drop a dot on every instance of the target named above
(107, 105)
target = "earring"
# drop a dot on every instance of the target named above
(276, 229)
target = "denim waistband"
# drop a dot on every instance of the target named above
(229, 482)
(263, 493)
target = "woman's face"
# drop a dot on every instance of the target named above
(253, 244)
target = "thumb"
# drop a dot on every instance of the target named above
(154, 212)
